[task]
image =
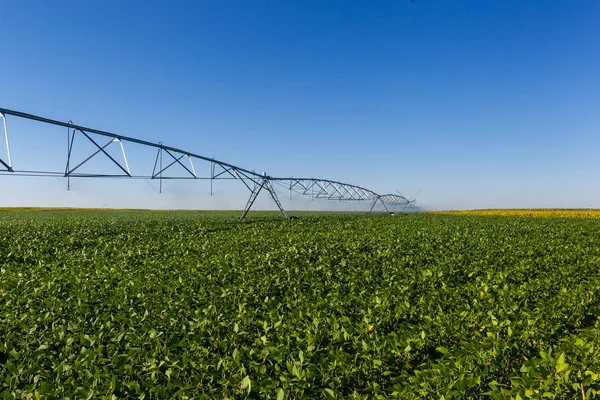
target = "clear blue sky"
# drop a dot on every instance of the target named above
(478, 103)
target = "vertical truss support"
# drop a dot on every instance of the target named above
(159, 160)
(271, 189)
(378, 199)
(267, 184)
(69, 149)
(212, 177)
(7, 165)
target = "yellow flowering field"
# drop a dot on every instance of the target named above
(529, 212)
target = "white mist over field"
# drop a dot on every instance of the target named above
(144, 194)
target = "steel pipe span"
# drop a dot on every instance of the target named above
(314, 187)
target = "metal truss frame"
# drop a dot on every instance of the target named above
(255, 183)
(69, 172)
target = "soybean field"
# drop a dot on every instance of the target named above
(153, 305)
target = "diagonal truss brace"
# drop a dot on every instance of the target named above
(176, 160)
(101, 149)
(8, 163)
(267, 184)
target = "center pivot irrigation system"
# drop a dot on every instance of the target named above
(255, 182)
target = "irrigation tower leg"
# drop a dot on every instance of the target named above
(375, 203)
(373, 206)
(271, 190)
(413, 208)
(268, 185)
(384, 206)
(252, 198)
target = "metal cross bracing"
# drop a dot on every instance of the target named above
(168, 157)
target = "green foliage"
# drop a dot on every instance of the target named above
(199, 305)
